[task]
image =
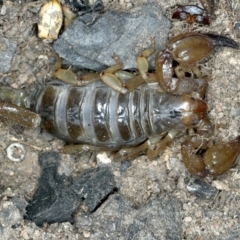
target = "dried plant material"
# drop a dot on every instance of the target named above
(220, 185)
(51, 20)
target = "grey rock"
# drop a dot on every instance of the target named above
(91, 41)
(7, 50)
(237, 29)
(232, 235)
(124, 166)
(159, 219)
(9, 214)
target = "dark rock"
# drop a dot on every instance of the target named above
(84, 6)
(94, 186)
(91, 41)
(202, 190)
(53, 200)
(56, 197)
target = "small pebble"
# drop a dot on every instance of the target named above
(16, 152)
(187, 219)
(86, 234)
(103, 158)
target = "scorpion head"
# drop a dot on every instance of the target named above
(194, 110)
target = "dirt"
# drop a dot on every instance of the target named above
(32, 64)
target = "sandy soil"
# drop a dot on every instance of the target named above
(32, 64)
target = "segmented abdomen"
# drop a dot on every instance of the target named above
(97, 115)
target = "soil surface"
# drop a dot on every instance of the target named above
(142, 184)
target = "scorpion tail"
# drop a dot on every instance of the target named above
(222, 41)
(13, 103)
(20, 115)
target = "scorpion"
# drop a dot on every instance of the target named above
(123, 113)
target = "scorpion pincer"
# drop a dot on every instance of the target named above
(131, 117)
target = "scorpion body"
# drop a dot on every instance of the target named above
(97, 115)
(111, 115)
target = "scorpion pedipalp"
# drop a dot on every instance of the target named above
(222, 41)
(190, 48)
(164, 71)
(215, 160)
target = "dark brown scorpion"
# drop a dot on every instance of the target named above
(132, 117)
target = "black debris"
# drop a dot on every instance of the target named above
(202, 190)
(84, 6)
(57, 196)
(94, 186)
(54, 200)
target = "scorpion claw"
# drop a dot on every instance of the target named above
(190, 48)
(215, 160)
(222, 41)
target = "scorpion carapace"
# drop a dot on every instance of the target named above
(131, 116)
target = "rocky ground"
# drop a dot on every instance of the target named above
(137, 199)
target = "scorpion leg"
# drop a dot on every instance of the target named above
(112, 76)
(136, 81)
(142, 62)
(68, 76)
(131, 81)
(145, 76)
(153, 146)
(108, 77)
(157, 145)
(124, 75)
(130, 153)
(78, 148)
